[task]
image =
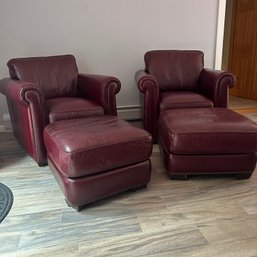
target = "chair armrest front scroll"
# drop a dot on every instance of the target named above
(17, 90)
(148, 85)
(215, 85)
(100, 89)
(28, 115)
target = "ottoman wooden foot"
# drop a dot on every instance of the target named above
(178, 176)
(243, 175)
(78, 208)
(134, 189)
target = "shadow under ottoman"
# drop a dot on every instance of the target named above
(96, 157)
(207, 141)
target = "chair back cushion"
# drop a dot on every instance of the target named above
(56, 76)
(175, 69)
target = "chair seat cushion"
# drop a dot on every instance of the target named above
(183, 99)
(88, 146)
(65, 108)
(207, 131)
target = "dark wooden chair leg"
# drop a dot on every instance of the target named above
(178, 176)
(134, 189)
(245, 175)
(76, 207)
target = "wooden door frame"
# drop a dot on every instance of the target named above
(220, 33)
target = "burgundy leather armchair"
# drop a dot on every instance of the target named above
(175, 79)
(42, 90)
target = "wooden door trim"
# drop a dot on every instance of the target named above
(220, 33)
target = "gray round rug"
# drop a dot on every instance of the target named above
(6, 200)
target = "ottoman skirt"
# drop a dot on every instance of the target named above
(81, 191)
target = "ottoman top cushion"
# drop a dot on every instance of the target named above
(81, 147)
(207, 131)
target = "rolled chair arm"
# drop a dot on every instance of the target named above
(100, 89)
(17, 90)
(146, 81)
(148, 85)
(215, 85)
(28, 115)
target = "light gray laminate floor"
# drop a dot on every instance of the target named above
(241, 103)
(202, 216)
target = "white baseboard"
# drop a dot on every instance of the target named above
(129, 112)
(2, 128)
(6, 117)
(7, 126)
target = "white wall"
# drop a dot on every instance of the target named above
(106, 36)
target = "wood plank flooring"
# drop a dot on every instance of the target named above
(202, 216)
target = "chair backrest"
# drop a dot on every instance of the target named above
(175, 69)
(56, 76)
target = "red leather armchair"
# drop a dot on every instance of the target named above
(43, 90)
(177, 79)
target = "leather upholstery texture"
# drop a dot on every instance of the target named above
(56, 76)
(174, 70)
(42, 90)
(177, 79)
(184, 99)
(95, 157)
(65, 108)
(207, 131)
(96, 144)
(82, 191)
(207, 140)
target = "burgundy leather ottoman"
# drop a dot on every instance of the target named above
(97, 157)
(207, 141)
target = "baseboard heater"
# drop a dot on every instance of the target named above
(124, 112)
(133, 112)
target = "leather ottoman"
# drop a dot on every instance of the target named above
(96, 157)
(207, 141)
